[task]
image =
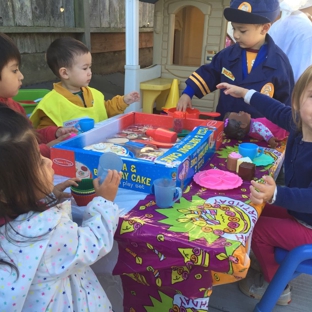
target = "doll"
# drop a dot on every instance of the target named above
(239, 125)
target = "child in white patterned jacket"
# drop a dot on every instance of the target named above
(45, 257)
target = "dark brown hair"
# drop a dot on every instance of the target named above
(20, 170)
(8, 51)
(62, 51)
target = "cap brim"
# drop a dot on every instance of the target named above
(242, 17)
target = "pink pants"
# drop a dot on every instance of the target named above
(276, 228)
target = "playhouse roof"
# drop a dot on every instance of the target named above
(149, 1)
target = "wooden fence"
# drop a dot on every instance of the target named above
(61, 13)
(81, 18)
(34, 24)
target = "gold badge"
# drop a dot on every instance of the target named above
(228, 74)
(245, 6)
(268, 89)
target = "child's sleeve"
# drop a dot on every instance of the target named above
(294, 199)
(115, 106)
(47, 134)
(76, 247)
(205, 78)
(44, 150)
(259, 128)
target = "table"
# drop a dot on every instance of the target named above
(170, 258)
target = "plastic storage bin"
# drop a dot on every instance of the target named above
(27, 98)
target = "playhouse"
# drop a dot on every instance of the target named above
(187, 34)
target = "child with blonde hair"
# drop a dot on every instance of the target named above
(288, 223)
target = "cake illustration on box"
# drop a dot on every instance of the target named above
(82, 171)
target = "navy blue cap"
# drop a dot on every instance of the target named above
(252, 11)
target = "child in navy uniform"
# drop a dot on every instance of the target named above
(255, 61)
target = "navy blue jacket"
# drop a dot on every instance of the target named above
(227, 64)
(296, 196)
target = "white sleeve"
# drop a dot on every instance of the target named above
(75, 247)
(274, 197)
(248, 95)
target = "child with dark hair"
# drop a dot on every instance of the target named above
(71, 99)
(254, 61)
(45, 257)
(239, 125)
(11, 81)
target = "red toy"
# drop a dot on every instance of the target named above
(162, 135)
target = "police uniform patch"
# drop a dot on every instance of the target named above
(227, 73)
(268, 89)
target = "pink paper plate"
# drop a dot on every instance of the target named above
(215, 179)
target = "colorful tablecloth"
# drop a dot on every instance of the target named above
(170, 258)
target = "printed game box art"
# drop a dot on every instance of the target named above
(144, 159)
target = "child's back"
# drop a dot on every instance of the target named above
(53, 265)
(45, 257)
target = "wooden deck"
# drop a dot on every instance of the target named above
(228, 298)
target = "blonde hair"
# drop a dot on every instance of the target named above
(300, 86)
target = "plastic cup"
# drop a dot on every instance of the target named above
(166, 192)
(86, 124)
(108, 161)
(250, 150)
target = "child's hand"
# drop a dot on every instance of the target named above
(60, 188)
(132, 97)
(184, 102)
(262, 192)
(272, 142)
(63, 130)
(235, 91)
(108, 189)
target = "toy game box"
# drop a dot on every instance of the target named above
(143, 162)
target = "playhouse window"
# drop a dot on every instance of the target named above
(188, 36)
